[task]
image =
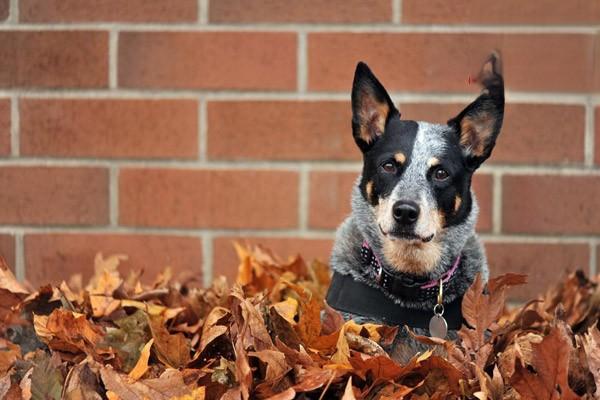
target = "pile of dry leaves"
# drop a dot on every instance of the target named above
(272, 336)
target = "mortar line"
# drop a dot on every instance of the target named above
(306, 27)
(113, 55)
(20, 272)
(278, 233)
(15, 125)
(207, 258)
(13, 12)
(497, 202)
(302, 62)
(225, 95)
(396, 11)
(594, 257)
(202, 130)
(113, 195)
(589, 139)
(303, 198)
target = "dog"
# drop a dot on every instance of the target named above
(408, 251)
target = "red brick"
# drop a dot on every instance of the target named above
(225, 261)
(537, 12)
(596, 72)
(545, 264)
(108, 11)
(7, 249)
(284, 130)
(550, 204)
(49, 59)
(208, 198)
(330, 194)
(332, 11)
(438, 62)
(50, 258)
(4, 9)
(4, 127)
(109, 128)
(53, 196)
(483, 187)
(597, 140)
(531, 133)
(208, 60)
(329, 198)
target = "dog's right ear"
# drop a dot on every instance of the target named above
(371, 107)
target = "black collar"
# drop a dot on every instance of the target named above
(348, 295)
(405, 286)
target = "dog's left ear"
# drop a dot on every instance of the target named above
(371, 107)
(479, 124)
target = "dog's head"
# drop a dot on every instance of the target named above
(416, 176)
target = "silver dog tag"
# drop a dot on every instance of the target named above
(438, 327)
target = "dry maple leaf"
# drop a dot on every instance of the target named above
(550, 359)
(67, 331)
(142, 364)
(170, 384)
(106, 278)
(591, 345)
(82, 383)
(171, 350)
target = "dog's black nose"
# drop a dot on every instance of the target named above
(405, 212)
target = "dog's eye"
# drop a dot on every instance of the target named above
(389, 167)
(441, 174)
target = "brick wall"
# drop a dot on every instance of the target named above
(164, 129)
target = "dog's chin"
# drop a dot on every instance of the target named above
(411, 253)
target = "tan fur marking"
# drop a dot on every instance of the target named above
(400, 158)
(412, 257)
(475, 132)
(373, 117)
(369, 189)
(457, 203)
(433, 161)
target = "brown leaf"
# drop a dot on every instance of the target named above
(68, 331)
(287, 309)
(288, 394)
(332, 320)
(170, 384)
(275, 361)
(11, 291)
(309, 324)
(9, 353)
(551, 361)
(348, 391)
(591, 345)
(171, 350)
(313, 379)
(242, 371)
(211, 328)
(142, 364)
(46, 379)
(106, 277)
(81, 384)
(381, 367)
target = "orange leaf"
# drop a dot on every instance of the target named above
(142, 364)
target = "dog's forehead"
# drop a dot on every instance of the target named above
(430, 142)
(415, 142)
